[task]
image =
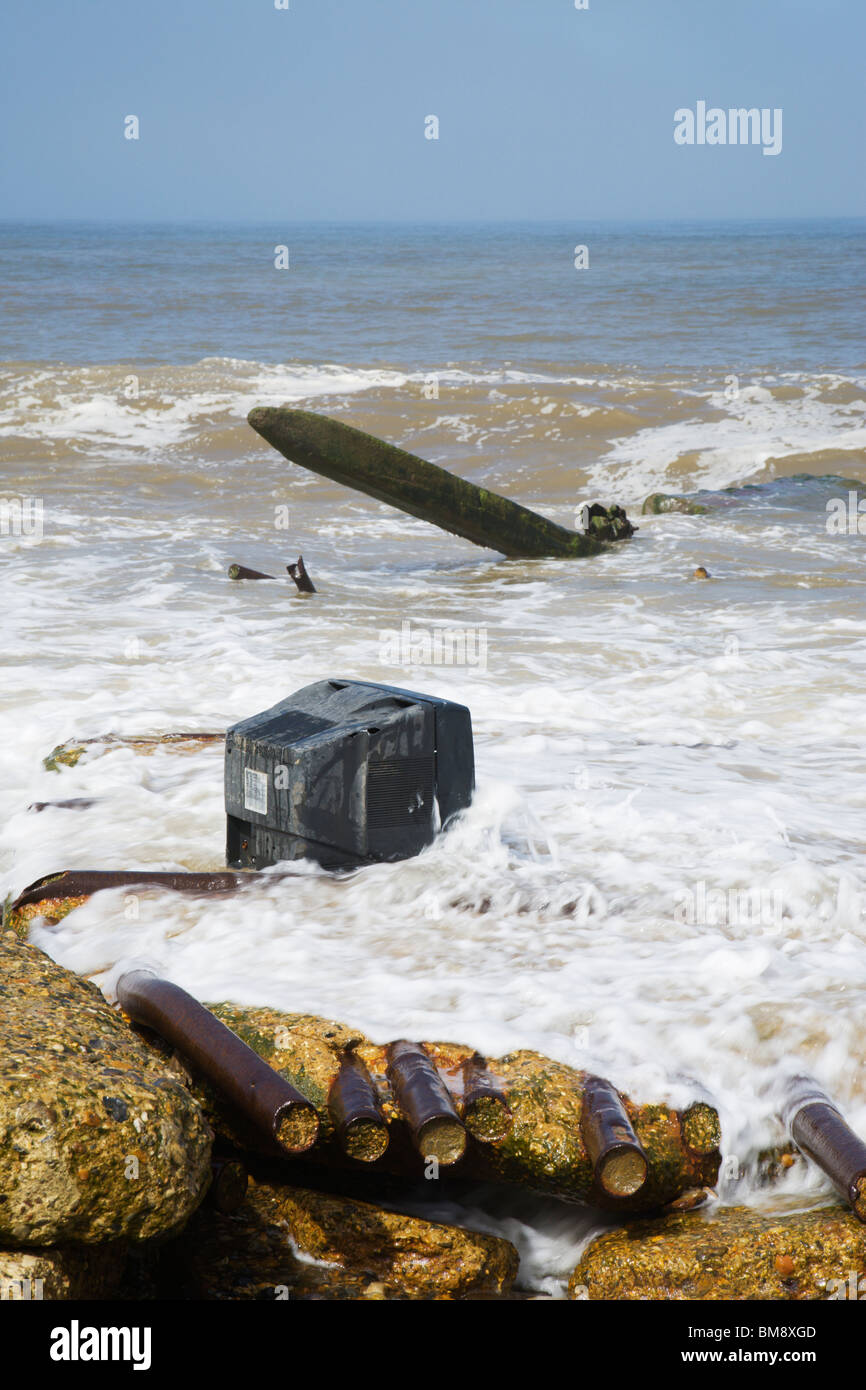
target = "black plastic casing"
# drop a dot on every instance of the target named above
(346, 773)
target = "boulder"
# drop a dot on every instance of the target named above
(290, 1243)
(732, 1253)
(660, 502)
(544, 1148)
(99, 1142)
(64, 1272)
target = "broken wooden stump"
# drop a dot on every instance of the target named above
(370, 465)
(298, 571)
(270, 1102)
(818, 1128)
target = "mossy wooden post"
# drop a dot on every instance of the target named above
(359, 460)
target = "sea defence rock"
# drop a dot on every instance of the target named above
(660, 502)
(98, 1141)
(286, 1242)
(64, 1272)
(370, 465)
(544, 1145)
(731, 1253)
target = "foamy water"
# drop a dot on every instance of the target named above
(661, 876)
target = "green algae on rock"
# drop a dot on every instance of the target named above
(660, 502)
(98, 1142)
(287, 1242)
(542, 1148)
(732, 1253)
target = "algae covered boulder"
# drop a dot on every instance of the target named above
(542, 1148)
(729, 1254)
(98, 1141)
(660, 502)
(287, 1243)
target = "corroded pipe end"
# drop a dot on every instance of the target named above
(443, 1139)
(487, 1118)
(701, 1129)
(365, 1140)
(296, 1126)
(622, 1172)
(859, 1199)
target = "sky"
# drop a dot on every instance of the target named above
(318, 111)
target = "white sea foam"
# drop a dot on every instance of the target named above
(638, 734)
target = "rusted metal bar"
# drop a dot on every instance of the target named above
(370, 465)
(619, 1162)
(817, 1126)
(80, 883)
(362, 1130)
(436, 1128)
(229, 1183)
(298, 571)
(270, 1102)
(75, 803)
(241, 572)
(485, 1105)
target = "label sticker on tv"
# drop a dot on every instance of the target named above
(255, 791)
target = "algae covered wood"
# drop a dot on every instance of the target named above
(381, 470)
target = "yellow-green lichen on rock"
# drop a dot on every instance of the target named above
(731, 1253)
(98, 1142)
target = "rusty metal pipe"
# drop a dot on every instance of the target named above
(486, 1113)
(80, 883)
(264, 1097)
(819, 1129)
(241, 572)
(362, 1130)
(619, 1162)
(298, 571)
(436, 1128)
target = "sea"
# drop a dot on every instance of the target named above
(661, 877)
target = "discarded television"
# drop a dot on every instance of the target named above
(345, 773)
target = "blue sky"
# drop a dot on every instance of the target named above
(252, 113)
